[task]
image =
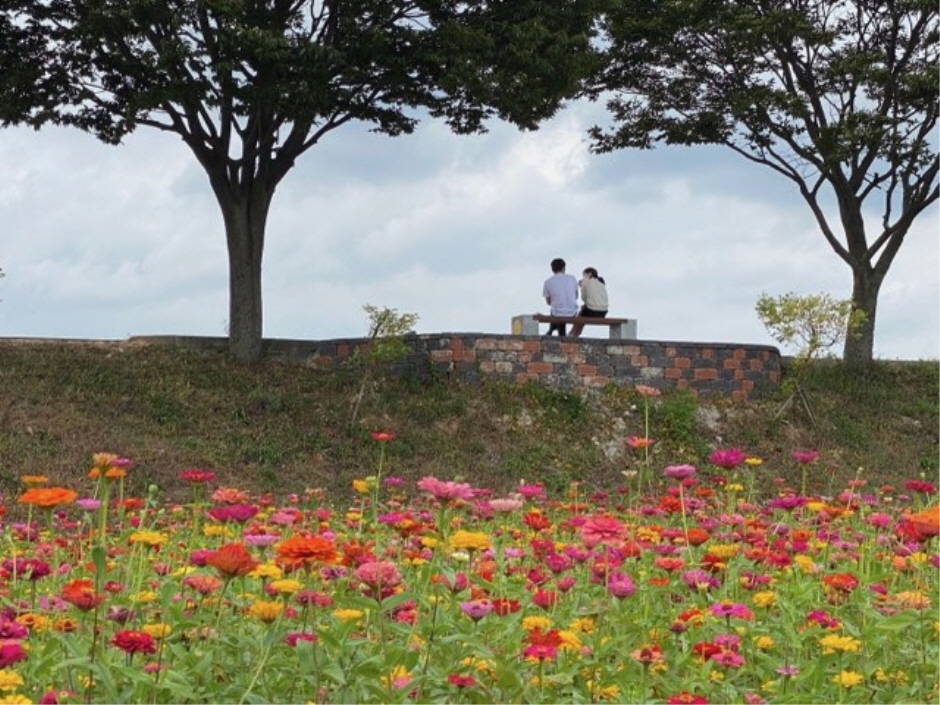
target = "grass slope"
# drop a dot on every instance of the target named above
(281, 427)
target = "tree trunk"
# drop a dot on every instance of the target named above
(860, 339)
(245, 215)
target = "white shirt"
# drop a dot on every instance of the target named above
(561, 293)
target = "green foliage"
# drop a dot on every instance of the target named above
(673, 421)
(387, 328)
(813, 323)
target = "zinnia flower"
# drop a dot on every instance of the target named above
(804, 457)
(81, 593)
(48, 497)
(300, 551)
(470, 540)
(232, 561)
(728, 458)
(603, 531)
(445, 491)
(197, 476)
(133, 642)
(379, 575)
(679, 472)
(383, 436)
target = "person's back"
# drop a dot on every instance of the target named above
(561, 294)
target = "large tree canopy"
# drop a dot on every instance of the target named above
(838, 96)
(250, 85)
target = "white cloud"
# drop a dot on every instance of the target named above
(105, 242)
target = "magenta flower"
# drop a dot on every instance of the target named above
(10, 653)
(728, 458)
(620, 585)
(531, 491)
(731, 609)
(238, 513)
(603, 531)
(804, 457)
(701, 580)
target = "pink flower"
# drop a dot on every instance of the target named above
(620, 585)
(505, 505)
(804, 457)
(197, 476)
(238, 513)
(379, 575)
(531, 491)
(647, 391)
(679, 472)
(292, 638)
(603, 530)
(11, 652)
(444, 491)
(476, 609)
(728, 458)
(731, 609)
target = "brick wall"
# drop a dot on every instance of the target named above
(727, 369)
(734, 370)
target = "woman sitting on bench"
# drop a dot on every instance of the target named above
(594, 296)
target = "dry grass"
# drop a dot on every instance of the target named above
(281, 427)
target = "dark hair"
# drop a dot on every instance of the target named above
(558, 265)
(592, 273)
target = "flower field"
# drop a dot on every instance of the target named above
(681, 587)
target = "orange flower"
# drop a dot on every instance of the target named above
(232, 560)
(298, 551)
(923, 524)
(81, 593)
(48, 497)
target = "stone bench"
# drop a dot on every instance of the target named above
(619, 328)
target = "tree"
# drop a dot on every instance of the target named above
(838, 96)
(251, 85)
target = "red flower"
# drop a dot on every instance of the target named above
(841, 582)
(383, 436)
(503, 606)
(133, 642)
(804, 457)
(536, 521)
(603, 531)
(545, 599)
(461, 681)
(232, 560)
(638, 443)
(81, 593)
(197, 476)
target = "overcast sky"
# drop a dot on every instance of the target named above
(104, 242)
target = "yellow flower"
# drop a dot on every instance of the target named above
(15, 699)
(158, 630)
(585, 625)
(806, 564)
(833, 643)
(603, 692)
(361, 486)
(211, 530)
(10, 680)
(286, 586)
(267, 570)
(913, 599)
(763, 642)
(429, 542)
(646, 533)
(470, 541)
(847, 679)
(918, 558)
(34, 479)
(183, 571)
(734, 487)
(764, 598)
(896, 678)
(148, 538)
(753, 461)
(144, 597)
(353, 516)
(536, 621)
(723, 551)
(477, 664)
(347, 615)
(716, 676)
(815, 506)
(265, 610)
(569, 640)
(34, 622)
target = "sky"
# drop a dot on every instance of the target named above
(102, 242)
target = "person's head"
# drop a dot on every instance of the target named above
(558, 265)
(590, 273)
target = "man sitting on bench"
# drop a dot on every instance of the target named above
(594, 296)
(561, 293)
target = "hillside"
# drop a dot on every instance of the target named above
(284, 428)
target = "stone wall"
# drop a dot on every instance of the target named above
(726, 369)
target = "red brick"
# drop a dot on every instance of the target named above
(532, 346)
(738, 395)
(586, 370)
(730, 364)
(640, 361)
(707, 373)
(524, 377)
(739, 354)
(683, 363)
(757, 365)
(672, 373)
(540, 368)
(595, 381)
(442, 355)
(708, 354)
(465, 356)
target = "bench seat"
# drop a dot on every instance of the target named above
(620, 328)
